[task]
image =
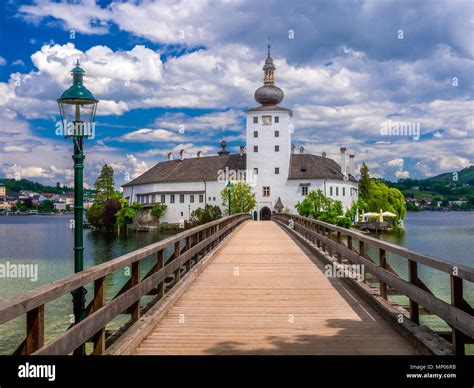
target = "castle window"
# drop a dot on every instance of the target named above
(201, 198)
(343, 191)
(255, 120)
(330, 191)
(277, 170)
(255, 148)
(172, 198)
(337, 191)
(163, 198)
(181, 198)
(277, 119)
(255, 171)
(266, 191)
(304, 190)
(255, 133)
(277, 148)
(191, 198)
(277, 133)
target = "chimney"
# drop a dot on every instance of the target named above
(199, 154)
(301, 150)
(181, 155)
(242, 150)
(352, 164)
(324, 154)
(170, 156)
(293, 147)
(343, 160)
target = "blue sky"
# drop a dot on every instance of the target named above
(177, 75)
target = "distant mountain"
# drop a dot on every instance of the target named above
(16, 186)
(451, 185)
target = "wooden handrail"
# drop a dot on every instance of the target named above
(458, 314)
(92, 327)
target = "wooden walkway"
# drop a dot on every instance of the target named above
(262, 294)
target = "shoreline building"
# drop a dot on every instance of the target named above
(279, 176)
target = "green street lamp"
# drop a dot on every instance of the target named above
(229, 188)
(77, 107)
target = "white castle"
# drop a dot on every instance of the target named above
(279, 175)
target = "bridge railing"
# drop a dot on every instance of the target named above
(347, 245)
(188, 247)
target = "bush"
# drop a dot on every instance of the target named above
(204, 215)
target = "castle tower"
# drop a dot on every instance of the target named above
(268, 135)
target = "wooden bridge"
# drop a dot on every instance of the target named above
(236, 286)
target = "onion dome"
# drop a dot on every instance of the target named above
(223, 150)
(269, 94)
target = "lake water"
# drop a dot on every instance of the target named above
(48, 240)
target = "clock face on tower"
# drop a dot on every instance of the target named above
(267, 120)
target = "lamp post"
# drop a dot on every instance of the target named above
(229, 188)
(77, 107)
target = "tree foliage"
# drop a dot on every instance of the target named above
(204, 215)
(316, 205)
(158, 210)
(364, 182)
(111, 208)
(242, 198)
(104, 184)
(126, 214)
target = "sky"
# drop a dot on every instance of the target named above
(174, 75)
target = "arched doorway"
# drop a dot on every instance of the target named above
(265, 214)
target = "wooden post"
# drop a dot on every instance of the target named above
(135, 280)
(338, 255)
(177, 274)
(362, 252)
(34, 329)
(159, 265)
(188, 246)
(413, 279)
(329, 235)
(457, 300)
(383, 264)
(99, 301)
(349, 245)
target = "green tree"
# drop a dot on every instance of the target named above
(313, 204)
(242, 198)
(46, 206)
(104, 184)
(95, 213)
(158, 210)
(126, 214)
(204, 215)
(364, 182)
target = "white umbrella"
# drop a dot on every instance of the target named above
(388, 214)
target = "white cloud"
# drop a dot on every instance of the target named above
(402, 174)
(395, 163)
(151, 135)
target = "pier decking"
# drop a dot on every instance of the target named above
(262, 294)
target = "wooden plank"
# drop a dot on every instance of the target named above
(383, 264)
(457, 300)
(34, 330)
(98, 302)
(413, 279)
